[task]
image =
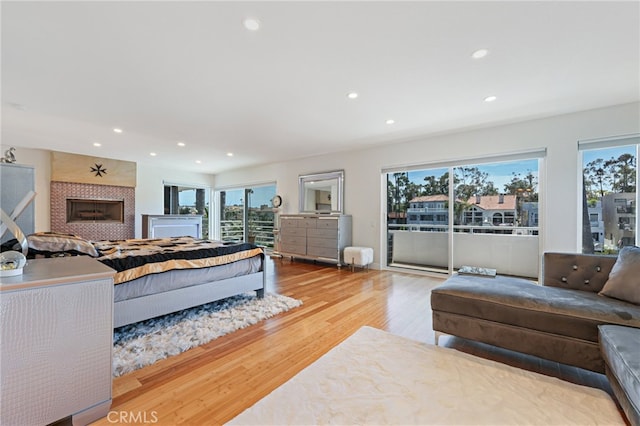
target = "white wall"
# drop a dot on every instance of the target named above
(363, 198)
(150, 188)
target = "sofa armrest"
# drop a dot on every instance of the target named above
(586, 272)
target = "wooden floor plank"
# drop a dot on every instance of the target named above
(215, 382)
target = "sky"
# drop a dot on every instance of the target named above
(261, 195)
(499, 173)
(606, 153)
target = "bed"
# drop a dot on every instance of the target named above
(158, 276)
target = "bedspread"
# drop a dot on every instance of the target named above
(135, 258)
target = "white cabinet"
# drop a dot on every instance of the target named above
(16, 181)
(169, 225)
(317, 237)
(57, 338)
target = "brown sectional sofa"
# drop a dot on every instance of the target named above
(558, 320)
(621, 351)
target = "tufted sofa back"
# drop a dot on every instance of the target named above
(586, 272)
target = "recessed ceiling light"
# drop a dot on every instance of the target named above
(252, 24)
(117, 130)
(153, 154)
(480, 53)
(229, 154)
(390, 121)
(490, 99)
(198, 162)
(181, 144)
(352, 95)
(97, 144)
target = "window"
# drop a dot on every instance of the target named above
(245, 214)
(467, 206)
(188, 199)
(609, 196)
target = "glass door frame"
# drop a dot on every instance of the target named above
(257, 232)
(538, 154)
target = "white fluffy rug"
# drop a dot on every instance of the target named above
(143, 343)
(377, 378)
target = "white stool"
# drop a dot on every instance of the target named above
(358, 256)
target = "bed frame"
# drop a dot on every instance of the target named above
(154, 305)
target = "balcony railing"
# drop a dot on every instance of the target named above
(511, 250)
(233, 230)
(426, 209)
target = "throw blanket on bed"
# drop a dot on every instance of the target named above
(135, 258)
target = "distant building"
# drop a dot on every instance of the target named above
(597, 225)
(490, 210)
(485, 210)
(529, 213)
(397, 217)
(619, 216)
(428, 210)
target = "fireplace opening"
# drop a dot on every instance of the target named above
(107, 211)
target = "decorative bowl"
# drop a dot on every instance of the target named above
(11, 263)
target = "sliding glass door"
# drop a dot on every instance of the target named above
(418, 219)
(496, 217)
(245, 214)
(481, 214)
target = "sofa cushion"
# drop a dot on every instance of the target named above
(624, 279)
(620, 347)
(523, 303)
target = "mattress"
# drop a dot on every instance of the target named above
(180, 278)
(136, 258)
(375, 377)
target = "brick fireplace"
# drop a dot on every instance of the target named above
(96, 220)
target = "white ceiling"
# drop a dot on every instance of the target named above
(189, 71)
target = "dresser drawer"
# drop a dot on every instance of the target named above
(322, 242)
(309, 222)
(330, 253)
(292, 248)
(285, 232)
(322, 233)
(327, 223)
(290, 222)
(293, 240)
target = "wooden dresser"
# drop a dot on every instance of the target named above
(57, 338)
(315, 236)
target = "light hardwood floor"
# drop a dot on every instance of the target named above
(213, 383)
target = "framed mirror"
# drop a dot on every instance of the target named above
(321, 192)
